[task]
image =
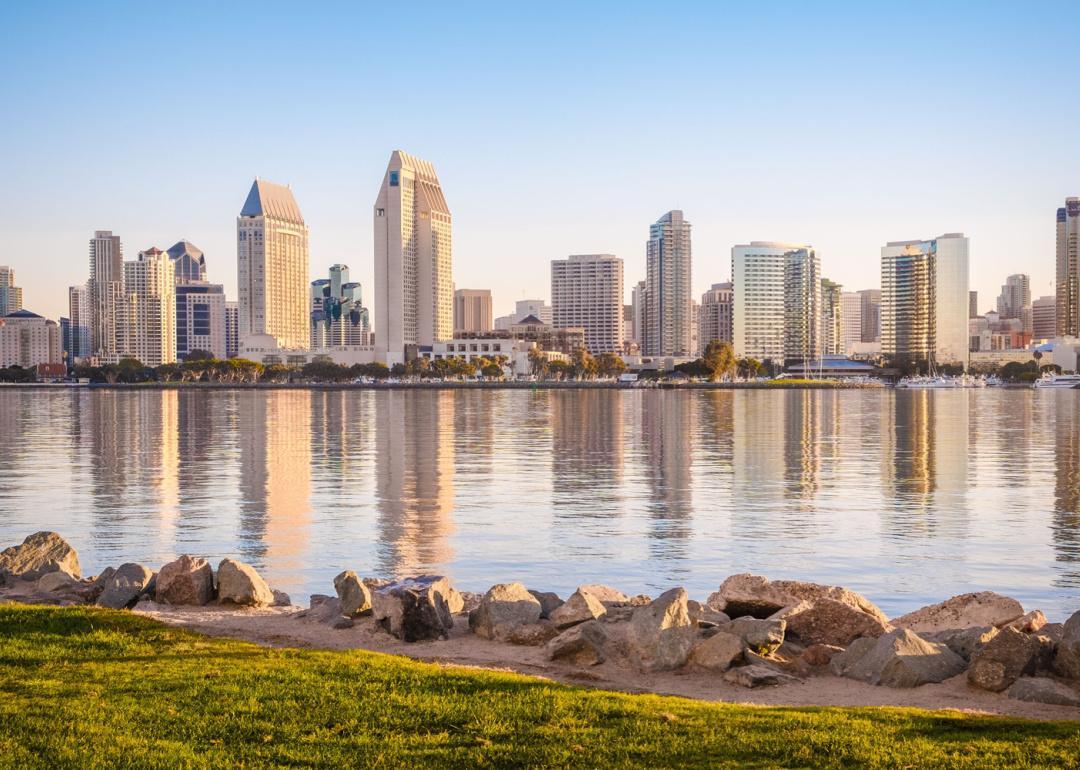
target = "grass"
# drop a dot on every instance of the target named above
(87, 688)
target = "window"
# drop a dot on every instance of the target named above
(393, 178)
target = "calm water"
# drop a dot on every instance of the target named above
(909, 497)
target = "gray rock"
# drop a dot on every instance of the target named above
(354, 595)
(660, 635)
(455, 601)
(965, 642)
(1004, 659)
(322, 609)
(899, 658)
(1043, 690)
(187, 580)
(984, 608)
(704, 615)
(759, 635)
(340, 622)
(1053, 631)
(239, 583)
(606, 594)
(281, 599)
(757, 675)
(1067, 659)
(820, 654)
(829, 621)
(505, 607)
(582, 645)
(717, 653)
(57, 582)
(760, 597)
(93, 591)
(533, 634)
(39, 554)
(580, 607)
(414, 609)
(549, 602)
(124, 587)
(470, 600)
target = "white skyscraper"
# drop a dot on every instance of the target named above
(714, 315)
(832, 318)
(79, 312)
(11, 298)
(147, 316)
(414, 289)
(669, 305)
(272, 266)
(106, 287)
(776, 312)
(1067, 273)
(587, 292)
(851, 320)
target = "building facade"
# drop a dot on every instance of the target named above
(1015, 299)
(1067, 312)
(973, 304)
(832, 318)
(925, 300)
(802, 305)
(587, 292)
(106, 288)
(776, 312)
(232, 329)
(338, 315)
(414, 301)
(851, 321)
(668, 323)
(272, 266)
(79, 314)
(188, 261)
(27, 340)
(11, 296)
(871, 315)
(1044, 318)
(714, 314)
(147, 313)
(472, 310)
(200, 319)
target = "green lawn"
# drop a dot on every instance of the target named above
(92, 688)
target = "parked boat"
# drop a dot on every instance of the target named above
(924, 382)
(1068, 381)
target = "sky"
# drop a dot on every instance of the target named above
(556, 129)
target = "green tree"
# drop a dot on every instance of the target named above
(199, 355)
(719, 360)
(560, 369)
(538, 362)
(583, 364)
(610, 364)
(168, 372)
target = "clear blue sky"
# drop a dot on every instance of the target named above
(556, 128)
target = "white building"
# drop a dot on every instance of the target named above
(667, 330)
(79, 314)
(776, 312)
(200, 319)
(272, 266)
(524, 308)
(11, 296)
(146, 319)
(832, 318)
(714, 315)
(27, 339)
(1067, 273)
(587, 292)
(414, 295)
(106, 287)
(851, 303)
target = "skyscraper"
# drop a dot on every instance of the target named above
(1015, 299)
(232, 329)
(667, 330)
(79, 312)
(200, 319)
(1068, 268)
(188, 261)
(106, 287)
(802, 305)
(871, 315)
(338, 315)
(832, 318)
(973, 304)
(777, 305)
(587, 293)
(851, 321)
(414, 300)
(639, 297)
(924, 300)
(11, 298)
(146, 322)
(1043, 320)
(272, 266)
(472, 310)
(714, 316)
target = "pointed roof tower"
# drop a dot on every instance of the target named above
(268, 199)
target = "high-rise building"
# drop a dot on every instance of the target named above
(189, 262)
(472, 310)
(1015, 299)
(79, 314)
(200, 319)
(272, 266)
(973, 304)
(629, 339)
(414, 300)
(147, 313)
(232, 329)
(106, 287)
(832, 318)
(1043, 318)
(27, 339)
(668, 323)
(11, 296)
(338, 315)
(871, 315)
(925, 301)
(714, 316)
(777, 301)
(851, 321)
(1068, 269)
(638, 301)
(587, 293)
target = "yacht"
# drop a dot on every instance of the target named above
(923, 382)
(1049, 380)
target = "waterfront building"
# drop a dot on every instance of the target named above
(1067, 313)
(472, 310)
(11, 296)
(79, 314)
(29, 340)
(973, 304)
(925, 300)
(232, 329)
(669, 308)
(106, 287)
(832, 319)
(200, 319)
(146, 317)
(871, 315)
(638, 294)
(272, 266)
(851, 321)
(414, 303)
(714, 315)
(1015, 299)
(587, 292)
(628, 329)
(777, 301)
(1043, 318)
(338, 315)
(802, 305)
(189, 262)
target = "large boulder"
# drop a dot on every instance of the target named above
(829, 621)
(549, 602)
(606, 594)
(1030, 623)
(582, 645)
(705, 616)
(758, 635)
(581, 606)
(717, 653)
(1067, 659)
(124, 586)
(747, 594)
(41, 553)
(532, 634)
(1004, 659)
(188, 580)
(899, 658)
(239, 583)
(414, 609)
(504, 608)
(1044, 690)
(965, 642)
(661, 634)
(324, 609)
(57, 582)
(354, 595)
(984, 608)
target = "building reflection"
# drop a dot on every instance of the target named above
(668, 426)
(1065, 523)
(587, 452)
(414, 480)
(802, 446)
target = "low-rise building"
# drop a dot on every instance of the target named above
(27, 339)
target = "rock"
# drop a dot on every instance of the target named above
(984, 608)
(717, 653)
(660, 635)
(239, 583)
(1043, 690)
(56, 582)
(533, 634)
(760, 597)
(322, 609)
(549, 602)
(340, 622)
(1053, 631)
(470, 600)
(1030, 622)
(187, 580)
(39, 554)
(281, 599)
(455, 601)
(759, 635)
(820, 654)
(504, 607)
(758, 675)
(828, 621)
(355, 597)
(704, 615)
(414, 609)
(581, 606)
(899, 658)
(582, 645)
(374, 583)
(965, 642)
(93, 591)
(124, 587)
(1067, 659)
(606, 594)
(1004, 659)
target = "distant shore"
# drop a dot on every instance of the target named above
(511, 385)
